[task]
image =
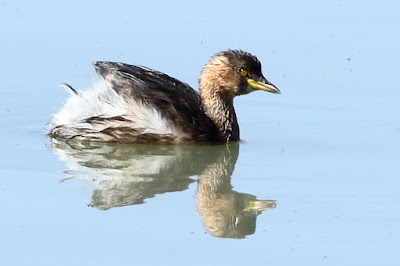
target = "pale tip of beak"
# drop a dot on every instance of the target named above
(265, 86)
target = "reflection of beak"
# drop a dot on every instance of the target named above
(260, 205)
(264, 85)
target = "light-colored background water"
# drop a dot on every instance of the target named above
(326, 151)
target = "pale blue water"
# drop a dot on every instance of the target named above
(314, 182)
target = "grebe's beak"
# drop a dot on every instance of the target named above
(263, 84)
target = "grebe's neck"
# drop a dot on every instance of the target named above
(221, 111)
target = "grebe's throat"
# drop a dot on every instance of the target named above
(221, 111)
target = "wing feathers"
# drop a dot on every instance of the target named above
(175, 100)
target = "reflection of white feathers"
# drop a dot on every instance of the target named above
(108, 171)
(101, 101)
(125, 174)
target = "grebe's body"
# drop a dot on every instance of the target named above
(137, 104)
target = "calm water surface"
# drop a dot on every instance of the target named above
(315, 180)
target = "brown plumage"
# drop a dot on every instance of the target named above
(137, 104)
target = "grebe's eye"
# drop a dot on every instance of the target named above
(243, 72)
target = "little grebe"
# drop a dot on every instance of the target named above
(138, 104)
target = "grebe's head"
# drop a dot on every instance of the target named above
(232, 73)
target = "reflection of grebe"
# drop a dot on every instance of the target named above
(127, 174)
(137, 104)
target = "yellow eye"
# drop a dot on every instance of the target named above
(243, 72)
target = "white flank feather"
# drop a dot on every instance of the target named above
(102, 101)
